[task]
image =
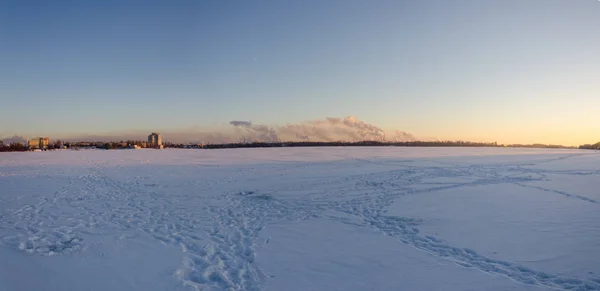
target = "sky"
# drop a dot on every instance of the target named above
(510, 71)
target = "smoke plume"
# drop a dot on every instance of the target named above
(14, 139)
(241, 123)
(325, 130)
(328, 129)
(252, 133)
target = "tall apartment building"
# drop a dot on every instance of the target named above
(44, 142)
(155, 140)
(33, 143)
(38, 143)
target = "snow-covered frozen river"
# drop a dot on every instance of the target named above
(287, 219)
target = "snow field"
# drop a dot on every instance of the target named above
(301, 219)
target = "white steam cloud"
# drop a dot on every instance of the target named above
(255, 132)
(14, 139)
(330, 129)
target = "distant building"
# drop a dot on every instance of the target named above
(38, 143)
(33, 144)
(155, 140)
(44, 142)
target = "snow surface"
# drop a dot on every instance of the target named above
(300, 219)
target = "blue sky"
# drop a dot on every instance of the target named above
(507, 71)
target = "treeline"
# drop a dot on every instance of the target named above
(361, 144)
(19, 147)
(349, 144)
(14, 147)
(539, 146)
(113, 145)
(142, 144)
(129, 144)
(595, 146)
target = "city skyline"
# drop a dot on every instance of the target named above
(506, 71)
(348, 129)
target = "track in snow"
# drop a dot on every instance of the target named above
(218, 240)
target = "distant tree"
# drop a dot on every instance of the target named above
(595, 146)
(16, 146)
